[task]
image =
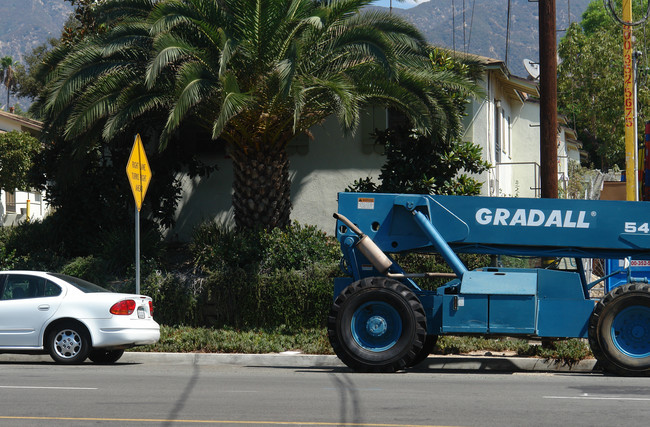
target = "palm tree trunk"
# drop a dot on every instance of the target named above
(262, 189)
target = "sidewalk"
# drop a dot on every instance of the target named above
(298, 360)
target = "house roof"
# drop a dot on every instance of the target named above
(516, 87)
(23, 123)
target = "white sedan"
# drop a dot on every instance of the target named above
(70, 318)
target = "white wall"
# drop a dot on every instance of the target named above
(526, 155)
(38, 208)
(319, 169)
(515, 173)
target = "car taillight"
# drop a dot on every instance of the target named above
(151, 308)
(124, 307)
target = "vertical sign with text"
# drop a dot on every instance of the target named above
(138, 172)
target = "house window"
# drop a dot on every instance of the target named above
(508, 137)
(10, 202)
(497, 131)
(397, 118)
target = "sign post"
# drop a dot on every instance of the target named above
(139, 174)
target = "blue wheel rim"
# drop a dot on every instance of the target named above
(376, 326)
(631, 331)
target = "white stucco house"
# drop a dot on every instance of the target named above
(13, 204)
(504, 123)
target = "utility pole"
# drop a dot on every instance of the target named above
(548, 98)
(631, 192)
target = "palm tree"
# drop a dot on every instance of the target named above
(8, 78)
(256, 74)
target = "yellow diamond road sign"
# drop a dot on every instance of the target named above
(138, 172)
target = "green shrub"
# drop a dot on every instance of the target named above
(48, 245)
(265, 278)
(175, 298)
(431, 262)
(228, 340)
(117, 248)
(216, 247)
(568, 351)
(88, 268)
(295, 298)
(448, 344)
(35, 245)
(296, 248)
(8, 258)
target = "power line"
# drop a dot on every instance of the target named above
(610, 6)
(453, 25)
(471, 23)
(507, 33)
(464, 44)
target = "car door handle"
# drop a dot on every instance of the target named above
(43, 307)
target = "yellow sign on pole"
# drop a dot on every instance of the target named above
(138, 172)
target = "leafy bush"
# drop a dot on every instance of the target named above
(8, 258)
(48, 245)
(421, 262)
(293, 298)
(458, 345)
(228, 340)
(89, 268)
(296, 248)
(175, 298)
(216, 247)
(265, 278)
(35, 245)
(568, 351)
(116, 247)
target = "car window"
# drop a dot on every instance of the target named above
(82, 285)
(51, 289)
(21, 286)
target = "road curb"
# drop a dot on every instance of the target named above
(505, 364)
(299, 360)
(433, 362)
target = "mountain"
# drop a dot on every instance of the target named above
(474, 26)
(485, 25)
(25, 24)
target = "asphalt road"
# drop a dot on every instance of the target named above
(40, 393)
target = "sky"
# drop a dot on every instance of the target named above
(397, 4)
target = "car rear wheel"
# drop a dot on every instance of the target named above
(105, 357)
(69, 343)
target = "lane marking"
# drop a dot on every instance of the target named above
(281, 423)
(47, 388)
(643, 399)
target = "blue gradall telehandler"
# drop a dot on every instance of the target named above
(382, 321)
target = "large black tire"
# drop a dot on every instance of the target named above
(377, 325)
(619, 330)
(68, 343)
(105, 357)
(429, 344)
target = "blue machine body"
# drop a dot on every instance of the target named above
(617, 274)
(531, 302)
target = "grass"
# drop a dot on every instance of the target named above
(314, 341)
(206, 340)
(568, 351)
